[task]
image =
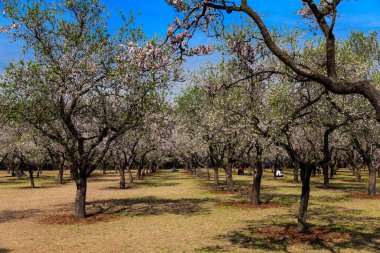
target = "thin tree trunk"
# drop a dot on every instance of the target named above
(80, 198)
(138, 173)
(31, 176)
(306, 171)
(122, 178)
(208, 173)
(216, 176)
(38, 171)
(332, 171)
(104, 168)
(60, 175)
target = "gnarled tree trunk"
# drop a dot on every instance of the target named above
(306, 170)
(122, 178)
(80, 198)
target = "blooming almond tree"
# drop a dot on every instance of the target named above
(85, 87)
(320, 15)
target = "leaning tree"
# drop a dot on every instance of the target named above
(321, 17)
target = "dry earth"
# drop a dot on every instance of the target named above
(177, 212)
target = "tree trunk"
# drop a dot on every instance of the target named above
(138, 173)
(326, 179)
(358, 173)
(60, 175)
(216, 176)
(208, 173)
(257, 175)
(122, 178)
(306, 171)
(229, 180)
(31, 176)
(371, 180)
(80, 199)
(38, 171)
(332, 171)
(104, 169)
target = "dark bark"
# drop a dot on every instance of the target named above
(39, 171)
(326, 179)
(332, 171)
(60, 175)
(80, 198)
(30, 169)
(258, 173)
(122, 178)
(104, 167)
(306, 170)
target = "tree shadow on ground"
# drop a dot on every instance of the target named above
(363, 231)
(99, 179)
(352, 188)
(10, 215)
(139, 184)
(210, 249)
(265, 197)
(156, 184)
(151, 205)
(245, 239)
(3, 250)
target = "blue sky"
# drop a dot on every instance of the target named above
(156, 15)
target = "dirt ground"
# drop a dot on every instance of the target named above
(178, 212)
